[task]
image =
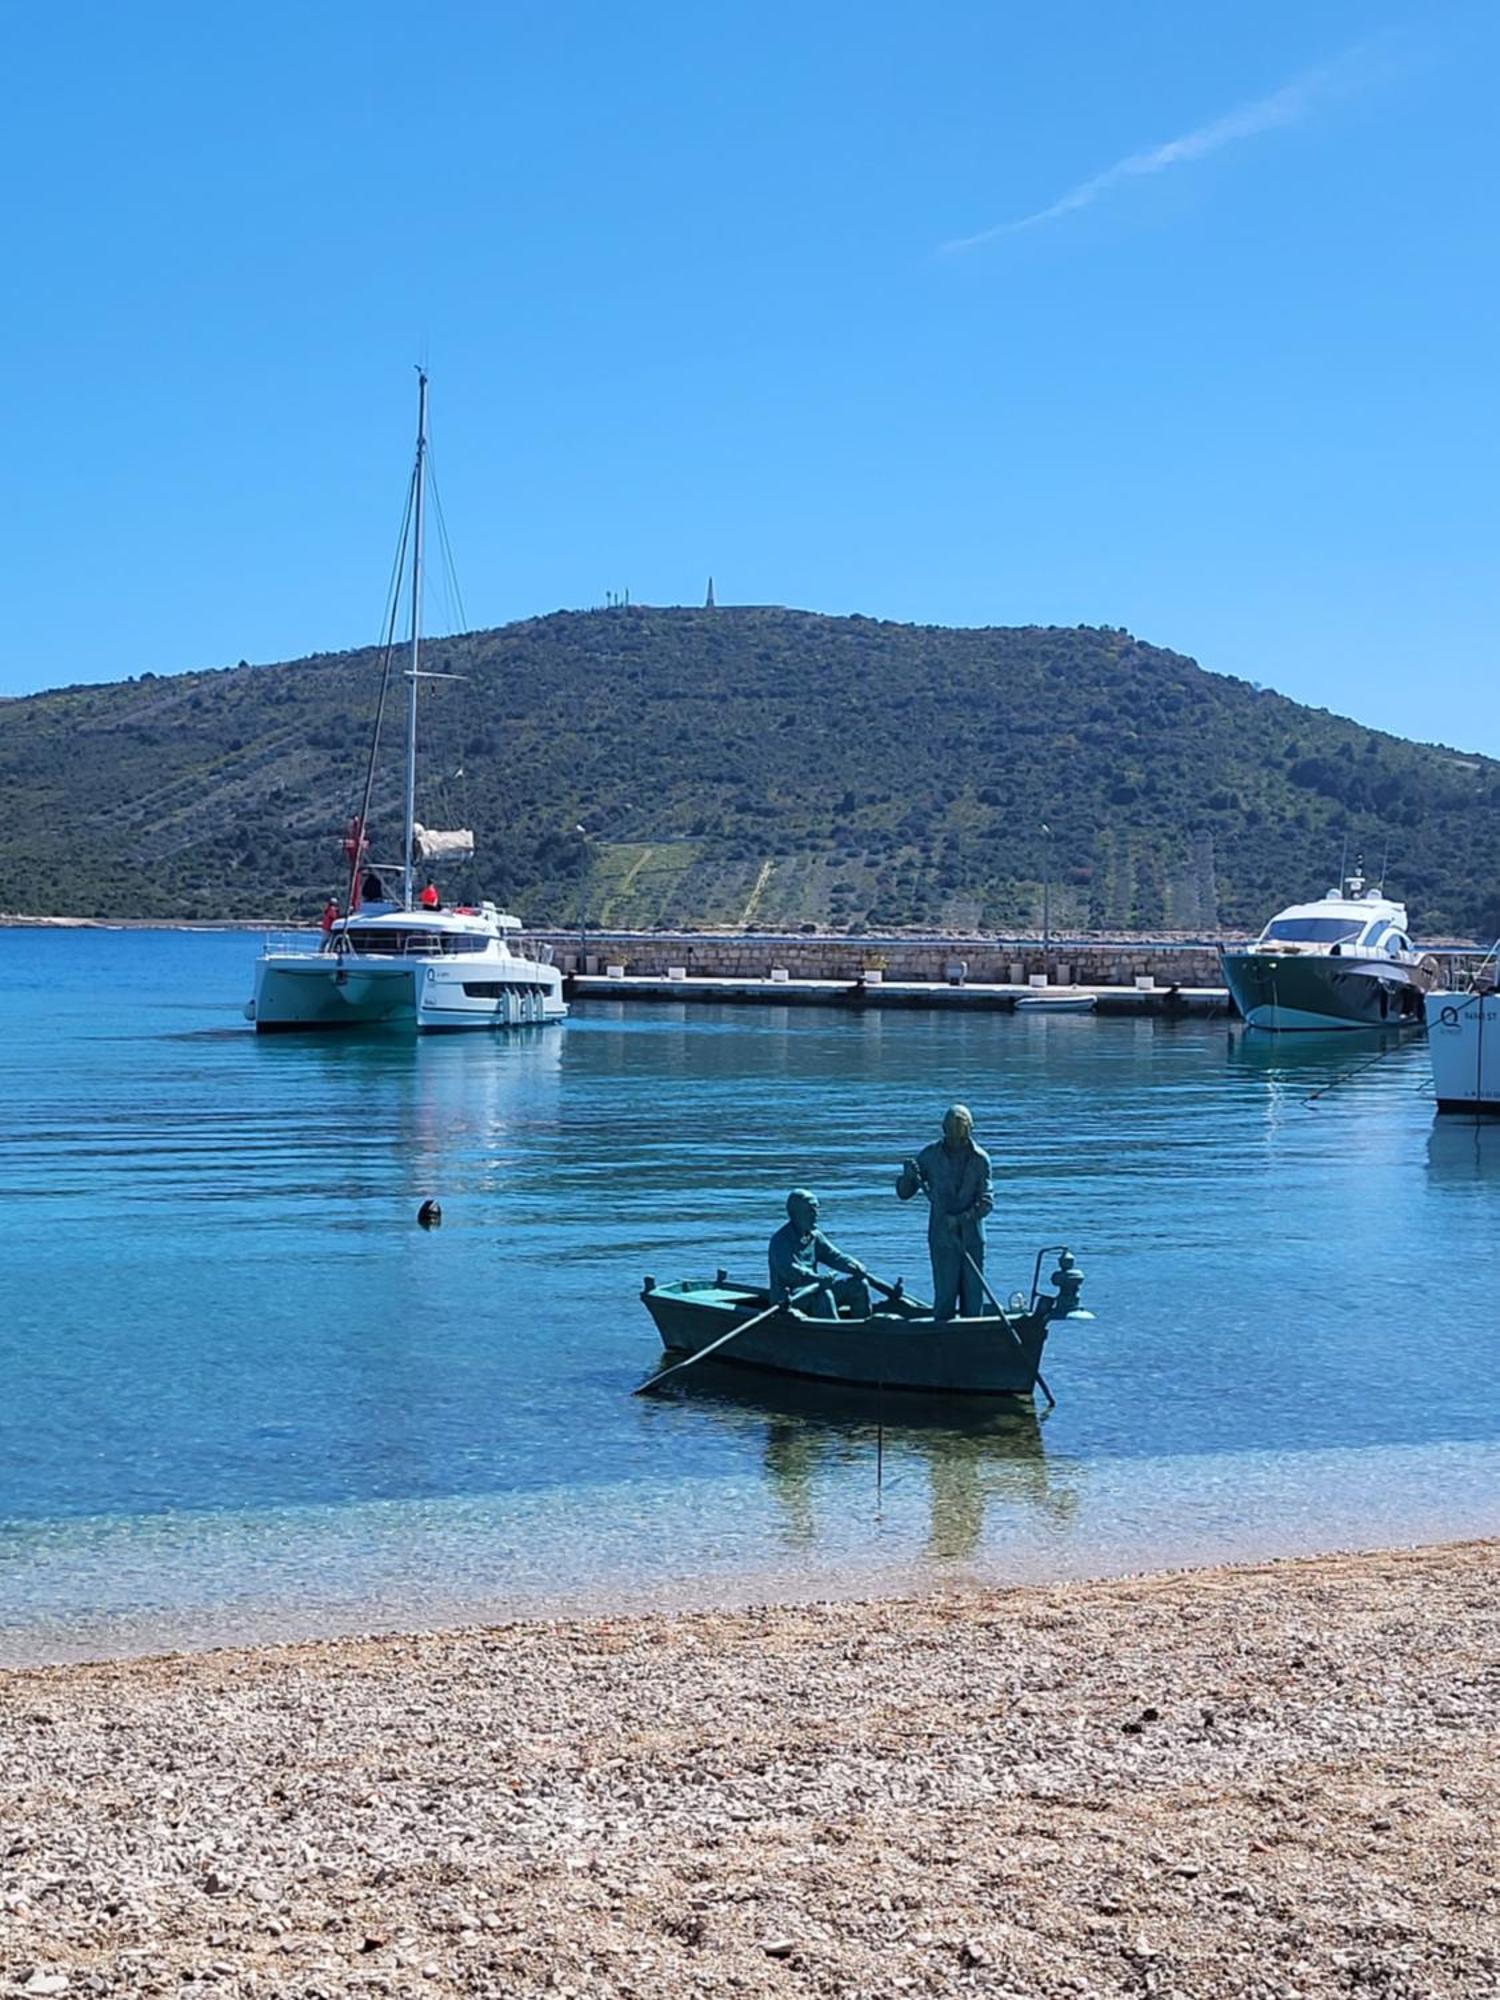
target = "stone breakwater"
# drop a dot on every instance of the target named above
(934, 960)
(1279, 1780)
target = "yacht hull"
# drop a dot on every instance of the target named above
(321, 991)
(1463, 1039)
(1289, 994)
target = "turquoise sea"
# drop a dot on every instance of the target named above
(242, 1394)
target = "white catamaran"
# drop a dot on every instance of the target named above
(409, 964)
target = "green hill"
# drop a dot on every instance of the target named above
(746, 765)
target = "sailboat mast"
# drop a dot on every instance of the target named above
(413, 671)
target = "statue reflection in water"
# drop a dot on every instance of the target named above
(977, 1465)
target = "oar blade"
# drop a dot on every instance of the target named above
(654, 1382)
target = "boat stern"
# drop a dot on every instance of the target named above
(1463, 1041)
(319, 990)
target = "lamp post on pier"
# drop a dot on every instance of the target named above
(583, 900)
(1046, 901)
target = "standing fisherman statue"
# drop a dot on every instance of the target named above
(955, 1176)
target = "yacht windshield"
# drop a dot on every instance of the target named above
(403, 944)
(1312, 930)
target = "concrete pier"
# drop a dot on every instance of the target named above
(1033, 1001)
(1126, 976)
(896, 958)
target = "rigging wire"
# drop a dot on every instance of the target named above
(388, 650)
(458, 620)
(456, 610)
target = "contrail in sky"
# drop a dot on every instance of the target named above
(1286, 106)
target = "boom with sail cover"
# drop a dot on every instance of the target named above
(428, 844)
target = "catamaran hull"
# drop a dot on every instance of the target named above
(1316, 993)
(1463, 1039)
(320, 992)
(319, 995)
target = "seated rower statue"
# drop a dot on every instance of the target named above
(954, 1174)
(796, 1251)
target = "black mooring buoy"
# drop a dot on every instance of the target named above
(430, 1214)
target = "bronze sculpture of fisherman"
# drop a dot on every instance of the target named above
(955, 1176)
(797, 1250)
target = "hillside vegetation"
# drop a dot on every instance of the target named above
(746, 766)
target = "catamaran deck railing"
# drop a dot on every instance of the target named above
(402, 944)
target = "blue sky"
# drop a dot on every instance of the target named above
(1176, 317)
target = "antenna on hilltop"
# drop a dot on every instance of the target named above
(708, 602)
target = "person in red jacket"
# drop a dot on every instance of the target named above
(429, 898)
(329, 916)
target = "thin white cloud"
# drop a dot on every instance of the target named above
(1286, 106)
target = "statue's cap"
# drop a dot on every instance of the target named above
(960, 1113)
(800, 1198)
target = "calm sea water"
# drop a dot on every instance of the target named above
(242, 1393)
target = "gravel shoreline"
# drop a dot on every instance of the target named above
(1270, 1780)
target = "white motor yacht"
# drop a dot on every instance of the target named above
(1344, 961)
(409, 963)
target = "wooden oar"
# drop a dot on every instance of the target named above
(978, 1269)
(655, 1381)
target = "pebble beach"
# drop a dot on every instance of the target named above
(1271, 1780)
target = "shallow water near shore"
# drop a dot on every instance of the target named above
(241, 1393)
